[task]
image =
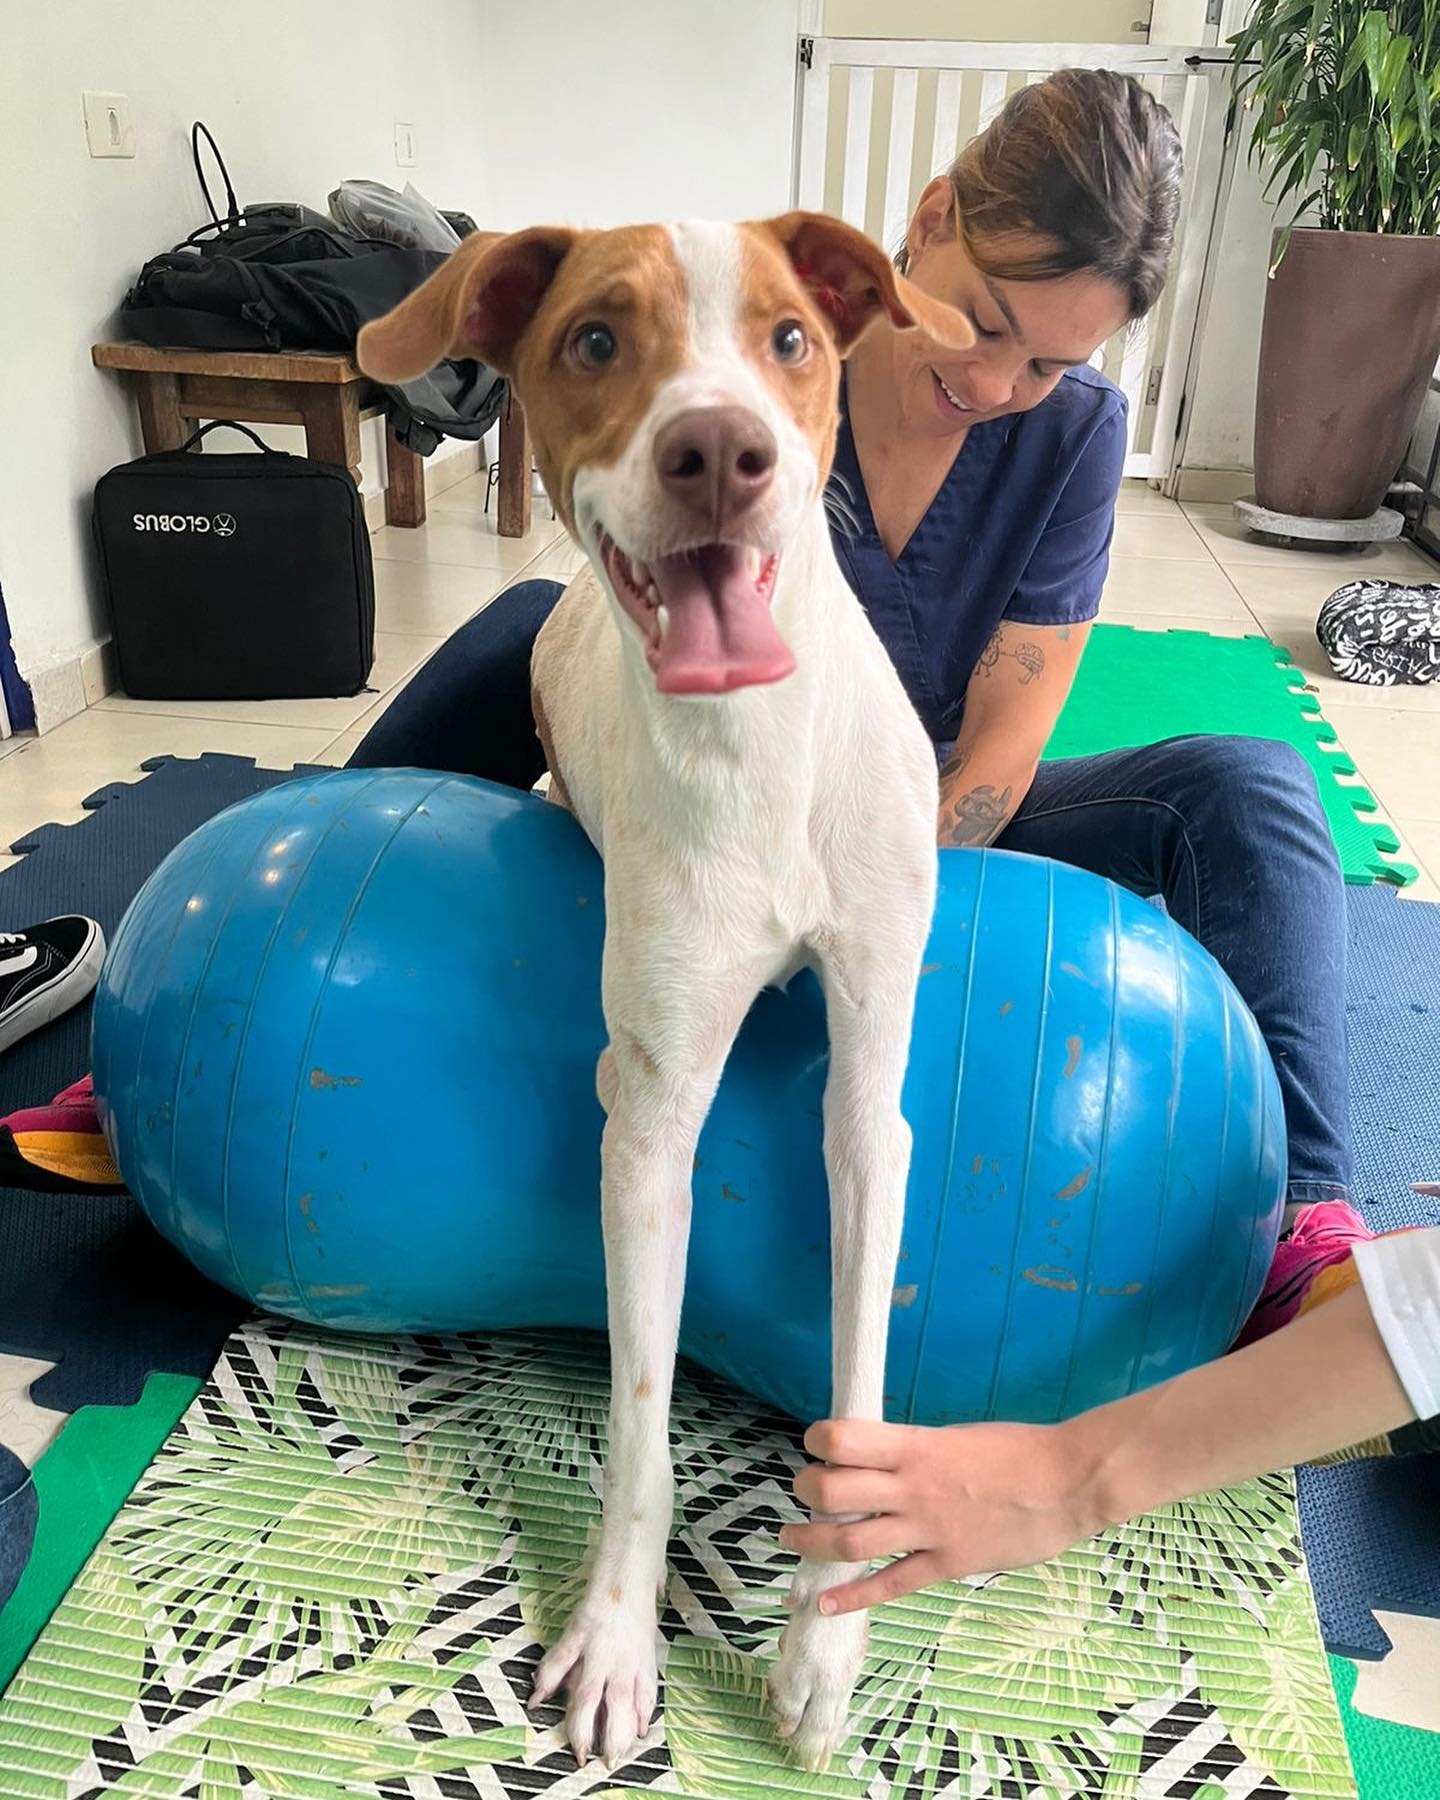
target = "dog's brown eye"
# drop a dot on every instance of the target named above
(594, 346)
(789, 342)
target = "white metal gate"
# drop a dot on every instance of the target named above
(877, 117)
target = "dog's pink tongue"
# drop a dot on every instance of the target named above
(720, 634)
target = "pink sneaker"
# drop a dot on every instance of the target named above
(1320, 1240)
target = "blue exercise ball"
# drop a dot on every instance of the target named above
(345, 1046)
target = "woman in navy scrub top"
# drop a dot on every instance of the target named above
(973, 503)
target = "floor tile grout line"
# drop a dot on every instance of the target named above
(475, 568)
(374, 698)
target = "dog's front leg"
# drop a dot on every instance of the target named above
(657, 1081)
(867, 1161)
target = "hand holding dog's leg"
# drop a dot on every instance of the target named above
(867, 1159)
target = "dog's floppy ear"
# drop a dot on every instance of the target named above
(854, 283)
(477, 304)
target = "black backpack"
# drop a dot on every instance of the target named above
(282, 277)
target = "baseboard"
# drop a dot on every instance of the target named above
(441, 474)
(97, 671)
(1217, 486)
(60, 688)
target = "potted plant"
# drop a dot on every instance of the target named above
(1345, 102)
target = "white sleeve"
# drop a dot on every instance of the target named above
(1401, 1276)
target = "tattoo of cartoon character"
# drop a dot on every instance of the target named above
(1030, 657)
(974, 818)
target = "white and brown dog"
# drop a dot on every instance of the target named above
(721, 718)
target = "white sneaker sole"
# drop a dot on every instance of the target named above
(63, 991)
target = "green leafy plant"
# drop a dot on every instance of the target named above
(1345, 104)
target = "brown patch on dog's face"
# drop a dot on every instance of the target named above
(773, 299)
(835, 283)
(583, 412)
(524, 303)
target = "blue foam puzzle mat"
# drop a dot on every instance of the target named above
(84, 1281)
(1372, 1529)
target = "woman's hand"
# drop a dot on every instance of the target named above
(962, 1500)
(971, 1499)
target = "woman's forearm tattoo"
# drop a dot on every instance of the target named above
(955, 763)
(975, 816)
(1030, 657)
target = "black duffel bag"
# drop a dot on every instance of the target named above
(235, 576)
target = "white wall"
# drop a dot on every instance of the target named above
(991, 21)
(602, 112)
(1180, 22)
(300, 97)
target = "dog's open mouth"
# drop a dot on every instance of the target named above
(705, 616)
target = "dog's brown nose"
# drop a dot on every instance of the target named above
(716, 460)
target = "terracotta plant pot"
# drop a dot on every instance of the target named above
(1351, 335)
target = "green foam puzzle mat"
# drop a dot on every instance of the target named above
(335, 1578)
(1138, 687)
(82, 1480)
(1392, 1762)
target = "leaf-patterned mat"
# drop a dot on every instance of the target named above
(334, 1581)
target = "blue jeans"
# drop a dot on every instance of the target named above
(19, 1508)
(1229, 832)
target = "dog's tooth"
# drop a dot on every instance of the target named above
(662, 619)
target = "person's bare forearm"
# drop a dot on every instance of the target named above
(981, 789)
(960, 1499)
(1320, 1385)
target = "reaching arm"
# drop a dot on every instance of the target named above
(1014, 698)
(968, 1499)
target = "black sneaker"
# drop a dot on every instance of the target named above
(44, 972)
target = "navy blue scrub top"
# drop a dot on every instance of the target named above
(1019, 531)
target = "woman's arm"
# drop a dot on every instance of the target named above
(969, 1499)
(1014, 698)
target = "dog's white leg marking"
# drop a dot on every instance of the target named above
(869, 1003)
(661, 1076)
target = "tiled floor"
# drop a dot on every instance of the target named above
(1173, 568)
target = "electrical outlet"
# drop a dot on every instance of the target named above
(108, 129)
(404, 145)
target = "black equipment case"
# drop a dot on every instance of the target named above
(236, 576)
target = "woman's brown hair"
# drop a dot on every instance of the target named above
(1080, 172)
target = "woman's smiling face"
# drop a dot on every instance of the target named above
(1027, 333)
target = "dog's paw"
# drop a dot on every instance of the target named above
(812, 1682)
(606, 1660)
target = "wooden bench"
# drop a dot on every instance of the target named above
(323, 392)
